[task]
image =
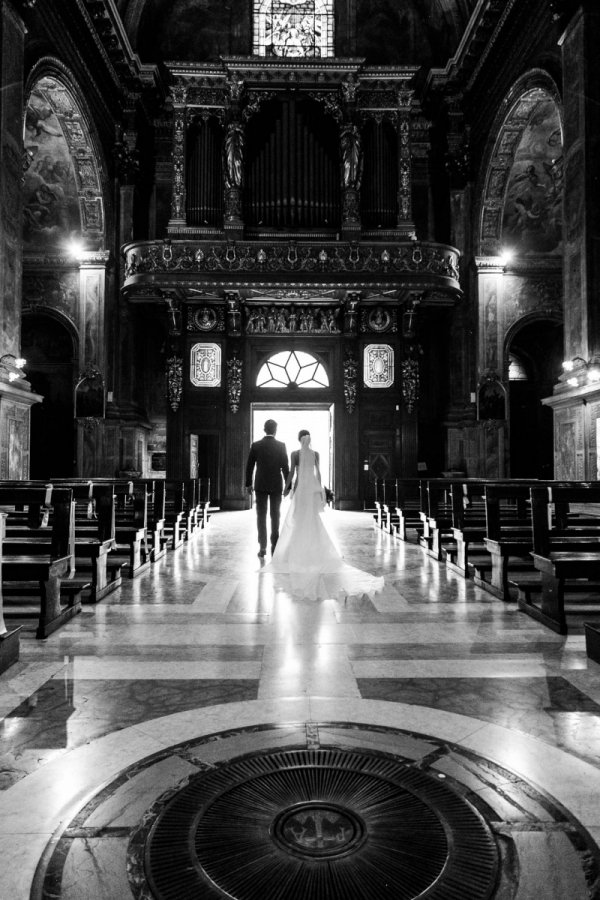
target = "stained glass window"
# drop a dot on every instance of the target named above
(379, 366)
(293, 28)
(292, 368)
(205, 365)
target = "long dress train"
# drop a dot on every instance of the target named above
(306, 561)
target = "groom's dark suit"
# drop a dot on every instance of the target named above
(270, 458)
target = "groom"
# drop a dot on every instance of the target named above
(270, 458)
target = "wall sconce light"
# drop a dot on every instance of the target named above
(76, 249)
(18, 364)
(506, 256)
(591, 369)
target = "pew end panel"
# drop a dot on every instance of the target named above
(9, 637)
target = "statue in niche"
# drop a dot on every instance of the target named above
(233, 156)
(352, 158)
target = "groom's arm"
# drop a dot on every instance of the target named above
(285, 470)
(250, 467)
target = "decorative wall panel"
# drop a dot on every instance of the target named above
(205, 365)
(378, 366)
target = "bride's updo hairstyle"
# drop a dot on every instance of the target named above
(303, 433)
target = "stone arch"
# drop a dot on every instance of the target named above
(63, 183)
(521, 179)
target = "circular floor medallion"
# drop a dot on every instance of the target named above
(319, 824)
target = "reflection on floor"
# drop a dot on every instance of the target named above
(202, 645)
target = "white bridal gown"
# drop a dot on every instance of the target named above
(306, 562)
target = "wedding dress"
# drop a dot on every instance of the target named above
(306, 562)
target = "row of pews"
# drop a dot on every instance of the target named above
(533, 542)
(72, 541)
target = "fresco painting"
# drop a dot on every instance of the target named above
(51, 209)
(533, 203)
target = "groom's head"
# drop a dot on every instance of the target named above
(270, 426)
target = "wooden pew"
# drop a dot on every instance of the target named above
(38, 576)
(467, 500)
(437, 515)
(566, 553)
(379, 500)
(508, 537)
(176, 527)
(410, 503)
(94, 536)
(471, 520)
(131, 527)
(204, 500)
(157, 538)
(9, 637)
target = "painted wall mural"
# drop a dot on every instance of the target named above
(532, 221)
(51, 206)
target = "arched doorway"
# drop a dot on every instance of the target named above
(534, 361)
(49, 349)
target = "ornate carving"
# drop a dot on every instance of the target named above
(234, 383)
(203, 319)
(234, 315)
(330, 101)
(350, 312)
(434, 259)
(378, 319)
(352, 157)
(233, 156)
(283, 319)
(404, 174)
(255, 101)
(178, 195)
(350, 378)
(410, 382)
(179, 94)
(174, 381)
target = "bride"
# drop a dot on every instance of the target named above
(305, 555)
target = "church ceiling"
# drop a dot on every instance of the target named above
(385, 32)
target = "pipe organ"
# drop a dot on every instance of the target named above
(292, 167)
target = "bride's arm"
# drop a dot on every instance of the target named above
(290, 478)
(317, 468)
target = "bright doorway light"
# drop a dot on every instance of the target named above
(290, 421)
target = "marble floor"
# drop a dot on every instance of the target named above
(202, 651)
